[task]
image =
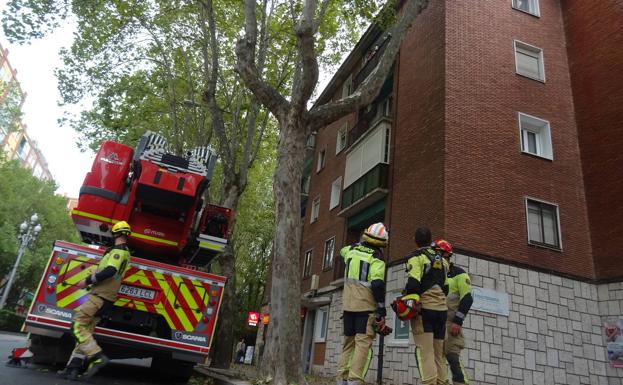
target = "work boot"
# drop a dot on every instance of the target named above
(73, 368)
(96, 363)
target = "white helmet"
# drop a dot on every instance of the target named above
(376, 235)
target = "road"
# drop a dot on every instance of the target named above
(119, 372)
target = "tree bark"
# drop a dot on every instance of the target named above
(282, 358)
(222, 350)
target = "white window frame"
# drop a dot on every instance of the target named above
(315, 211)
(559, 234)
(541, 128)
(339, 144)
(329, 265)
(336, 193)
(537, 9)
(527, 49)
(391, 320)
(320, 330)
(307, 263)
(322, 159)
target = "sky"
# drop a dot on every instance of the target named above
(35, 64)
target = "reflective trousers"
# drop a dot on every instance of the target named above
(356, 353)
(428, 331)
(452, 350)
(84, 322)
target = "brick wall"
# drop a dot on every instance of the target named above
(487, 176)
(594, 40)
(417, 157)
(553, 334)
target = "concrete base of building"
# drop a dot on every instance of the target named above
(553, 333)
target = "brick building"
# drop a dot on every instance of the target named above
(15, 142)
(500, 129)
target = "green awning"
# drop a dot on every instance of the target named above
(369, 215)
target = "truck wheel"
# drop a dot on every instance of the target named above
(50, 351)
(175, 370)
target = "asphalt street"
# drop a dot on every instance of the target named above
(118, 372)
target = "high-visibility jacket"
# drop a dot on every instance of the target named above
(364, 278)
(427, 279)
(459, 297)
(117, 257)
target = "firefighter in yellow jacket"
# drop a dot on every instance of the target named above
(425, 292)
(363, 303)
(104, 282)
(459, 302)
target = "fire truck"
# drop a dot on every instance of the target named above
(168, 302)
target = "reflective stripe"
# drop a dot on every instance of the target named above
(363, 273)
(358, 282)
(93, 216)
(460, 315)
(150, 238)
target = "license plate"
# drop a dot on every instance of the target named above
(137, 292)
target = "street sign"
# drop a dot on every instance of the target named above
(253, 318)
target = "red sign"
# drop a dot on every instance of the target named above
(265, 319)
(253, 318)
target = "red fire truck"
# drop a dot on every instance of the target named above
(168, 302)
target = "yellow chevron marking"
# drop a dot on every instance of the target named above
(188, 297)
(170, 297)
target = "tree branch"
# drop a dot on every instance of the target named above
(245, 66)
(325, 114)
(308, 77)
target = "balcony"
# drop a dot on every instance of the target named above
(365, 191)
(369, 118)
(373, 57)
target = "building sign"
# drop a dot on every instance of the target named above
(253, 318)
(490, 301)
(265, 319)
(614, 343)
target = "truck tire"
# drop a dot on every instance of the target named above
(176, 370)
(50, 351)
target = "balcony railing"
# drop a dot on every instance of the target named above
(374, 56)
(367, 119)
(374, 179)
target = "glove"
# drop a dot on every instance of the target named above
(380, 327)
(455, 329)
(380, 312)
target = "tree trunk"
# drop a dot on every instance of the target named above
(223, 347)
(284, 338)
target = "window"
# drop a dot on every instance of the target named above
(529, 61)
(329, 248)
(315, 209)
(336, 190)
(23, 149)
(536, 137)
(321, 160)
(320, 327)
(528, 6)
(340, 144)
(347, 87)
(543, 224)
(307, 263)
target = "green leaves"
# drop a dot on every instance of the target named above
(23, 195)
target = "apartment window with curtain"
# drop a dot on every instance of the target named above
(528, 6)
(536, 138)
(340, 143)
(336, 190)
(321, 160)
(529, 61)
(329, 251)
(307, 263)
(315, 210)
(543, 224)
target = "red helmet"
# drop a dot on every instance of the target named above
(443, 246)
(403, 311)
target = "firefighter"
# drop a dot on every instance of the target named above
(459, 301)
(425, 293)
(104, 284)
(363, 303)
